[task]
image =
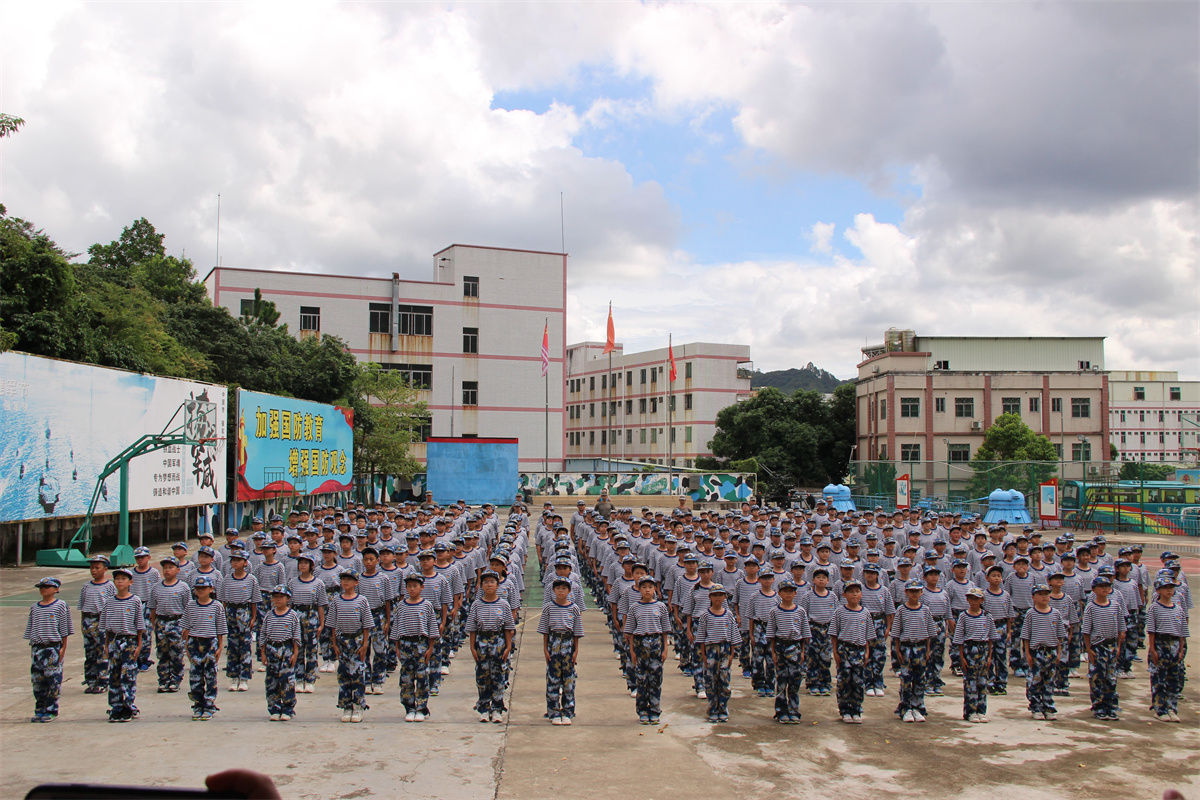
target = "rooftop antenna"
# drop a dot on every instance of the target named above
(562, 224)
(217, 260)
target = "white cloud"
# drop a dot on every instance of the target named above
(821, 236)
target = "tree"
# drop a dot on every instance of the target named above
(9, 125)
(1142, 471)
(796, 439)
(139, 242)
(387, 420)
(1012, 456)
(262, 312)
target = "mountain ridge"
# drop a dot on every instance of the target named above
(809, 377)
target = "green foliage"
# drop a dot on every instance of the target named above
(1142, 471)
(810, 378)
(387, 420)
(795, 439)
(9, 125)
(262, 312)
(138, 243)
(880, 477)
(1009, 439)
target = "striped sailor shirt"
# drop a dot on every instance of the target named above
(912, 624)
(269, 575)
(762, 605)
(436, 590)
(788, 624)
(205, 620)
(878, 601)
(281, 627)
(975, 628)
(330, 577)
(485, 617)
(1167, 620)
(214, 575)
(414, 619)
(647, 619)
(1103, 623)
(852, 626)
(376, 588)
(142, 581)
(713, 628)
(240, 591)
(958, 594)
(1130, 592)
(561, 619)
(1043, 628)
(820, 608)
(170, 600)
(93, 596)
(1019, 589)
(308, 592)
(349, 614)
(123, 615)
(998, 605)
(49, 623)
(938, 602)
(1066, 606)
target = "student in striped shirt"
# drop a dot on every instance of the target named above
(144, 577)
(850, 634)
(204, 630)
(1019, 585)
(974, 632)
(309, 600)
(1068, 609)
(717, 634)
(349, 616)
(279, 647)
(490, 626)
(1042, 635)
(239, 593)
(124, 626)
(1167, 631)
(328, 572)
(168, 600)
(47, 630)
(647, 624)
(377, 589)
(788, 633)
(1103, 630)
(938, 602)
(414, 634)
(912, 631)
(92, 597)
(762, 665)
(877, 600)
(820, 605)
(561, 627)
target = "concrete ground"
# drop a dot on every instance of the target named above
(604, 754)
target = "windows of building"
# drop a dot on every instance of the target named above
(687, 369)
(910, 452)
(379, 317)
(1081, 407)
(643, 381)
(425, 428)
(653, 375)
(470, 390)
(910, 406)
(653, 405)
(604, 409)
(1035, 405)
(310, 318)
(687, 402)
(654, 436)
(883, 409)
(629, 436)
(939, 405)
(642, 406)
(1176, 393)
(416, 320)
(1162, 416)
(612, 408)
(628, 406)
(419, 376)
(1085, 365)
(591, 409)
(687, 434)
(964, 407)
(591, 437)
(1010, 405)
(1141, 416)
(246, 307)
(592, 384)
(958, 453)
(470, 286)
(603, 438)
(1056, 405)
(603, 382)
(941, 365)
(642, 436)
(629, 378)
(673, 435)
(1122, 416)
(1081, 451)
(1139, 393)
(672, 403)
(470, 340)
(1058, 452)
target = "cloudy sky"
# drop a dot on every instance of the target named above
(793, 177)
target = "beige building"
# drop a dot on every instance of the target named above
(1154, 416)
(633, 401)
(924, 402)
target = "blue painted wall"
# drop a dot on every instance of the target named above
(478, 471)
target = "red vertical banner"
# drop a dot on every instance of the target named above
(671, 360)
(546, 351)
(902, 488)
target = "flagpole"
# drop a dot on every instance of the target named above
(610, 416)
(546, 460)
(670, 420)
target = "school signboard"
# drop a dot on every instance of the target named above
(63, 422)
(288, 447)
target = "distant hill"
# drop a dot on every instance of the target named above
(810, 377)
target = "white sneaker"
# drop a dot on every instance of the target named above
(418, 717)
(566, 720)
(356, 716)
(445, 670)
(485, 717)
(1174, 716)
(1038, 715)
(1050, 716)
(346, 714)
(308, 688)
(918, 716)
(633, 692)
(244, 686)
(558, 720)
(233, 686)
(981, 718)
(907, 717)
(972, 718)
(1164, 717)
(677, 656)
(262, 667)
(410, 716)
(857, 719)
(274, 718)
(284, 717)
(701, 695)
(846, 718)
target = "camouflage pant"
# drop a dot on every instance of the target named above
(351, 671)
(937, 657)
(95, 653)
(912, 676)
(122, 674)
(626, 657)
(1129, 649)
(998, 679)
(975, 677)
(1016, 654)
(1102, 677)
(144, 655)
(852, 678)
(168, 636)
(414, 672)
(648, 675)
(281, 677)
(878, 654)
(679, 642)
(325, 640)
(377, 652)
(239, 655)
(45, 671)
(264, 608)
(1166, 682)
(202, 673)
(820, 656)
(746, 653)
(762, 675)
(789, 674)
(1075, 646)
(716, 678)
(391, 661)
(1040, 679)
(560, 675)
(306, 661)
(489, 671)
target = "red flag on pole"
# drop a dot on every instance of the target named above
(611, 343)
(671, 359)
(546, 351)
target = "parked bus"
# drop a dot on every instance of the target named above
(1147, 506)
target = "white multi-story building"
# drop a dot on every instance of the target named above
(1154, 416)
(633, 401)
(470, 338)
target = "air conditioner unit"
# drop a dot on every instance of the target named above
(975, 426)
(1093, 471)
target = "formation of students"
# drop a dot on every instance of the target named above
(799, 596)
(796, 597)
(365, 593)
